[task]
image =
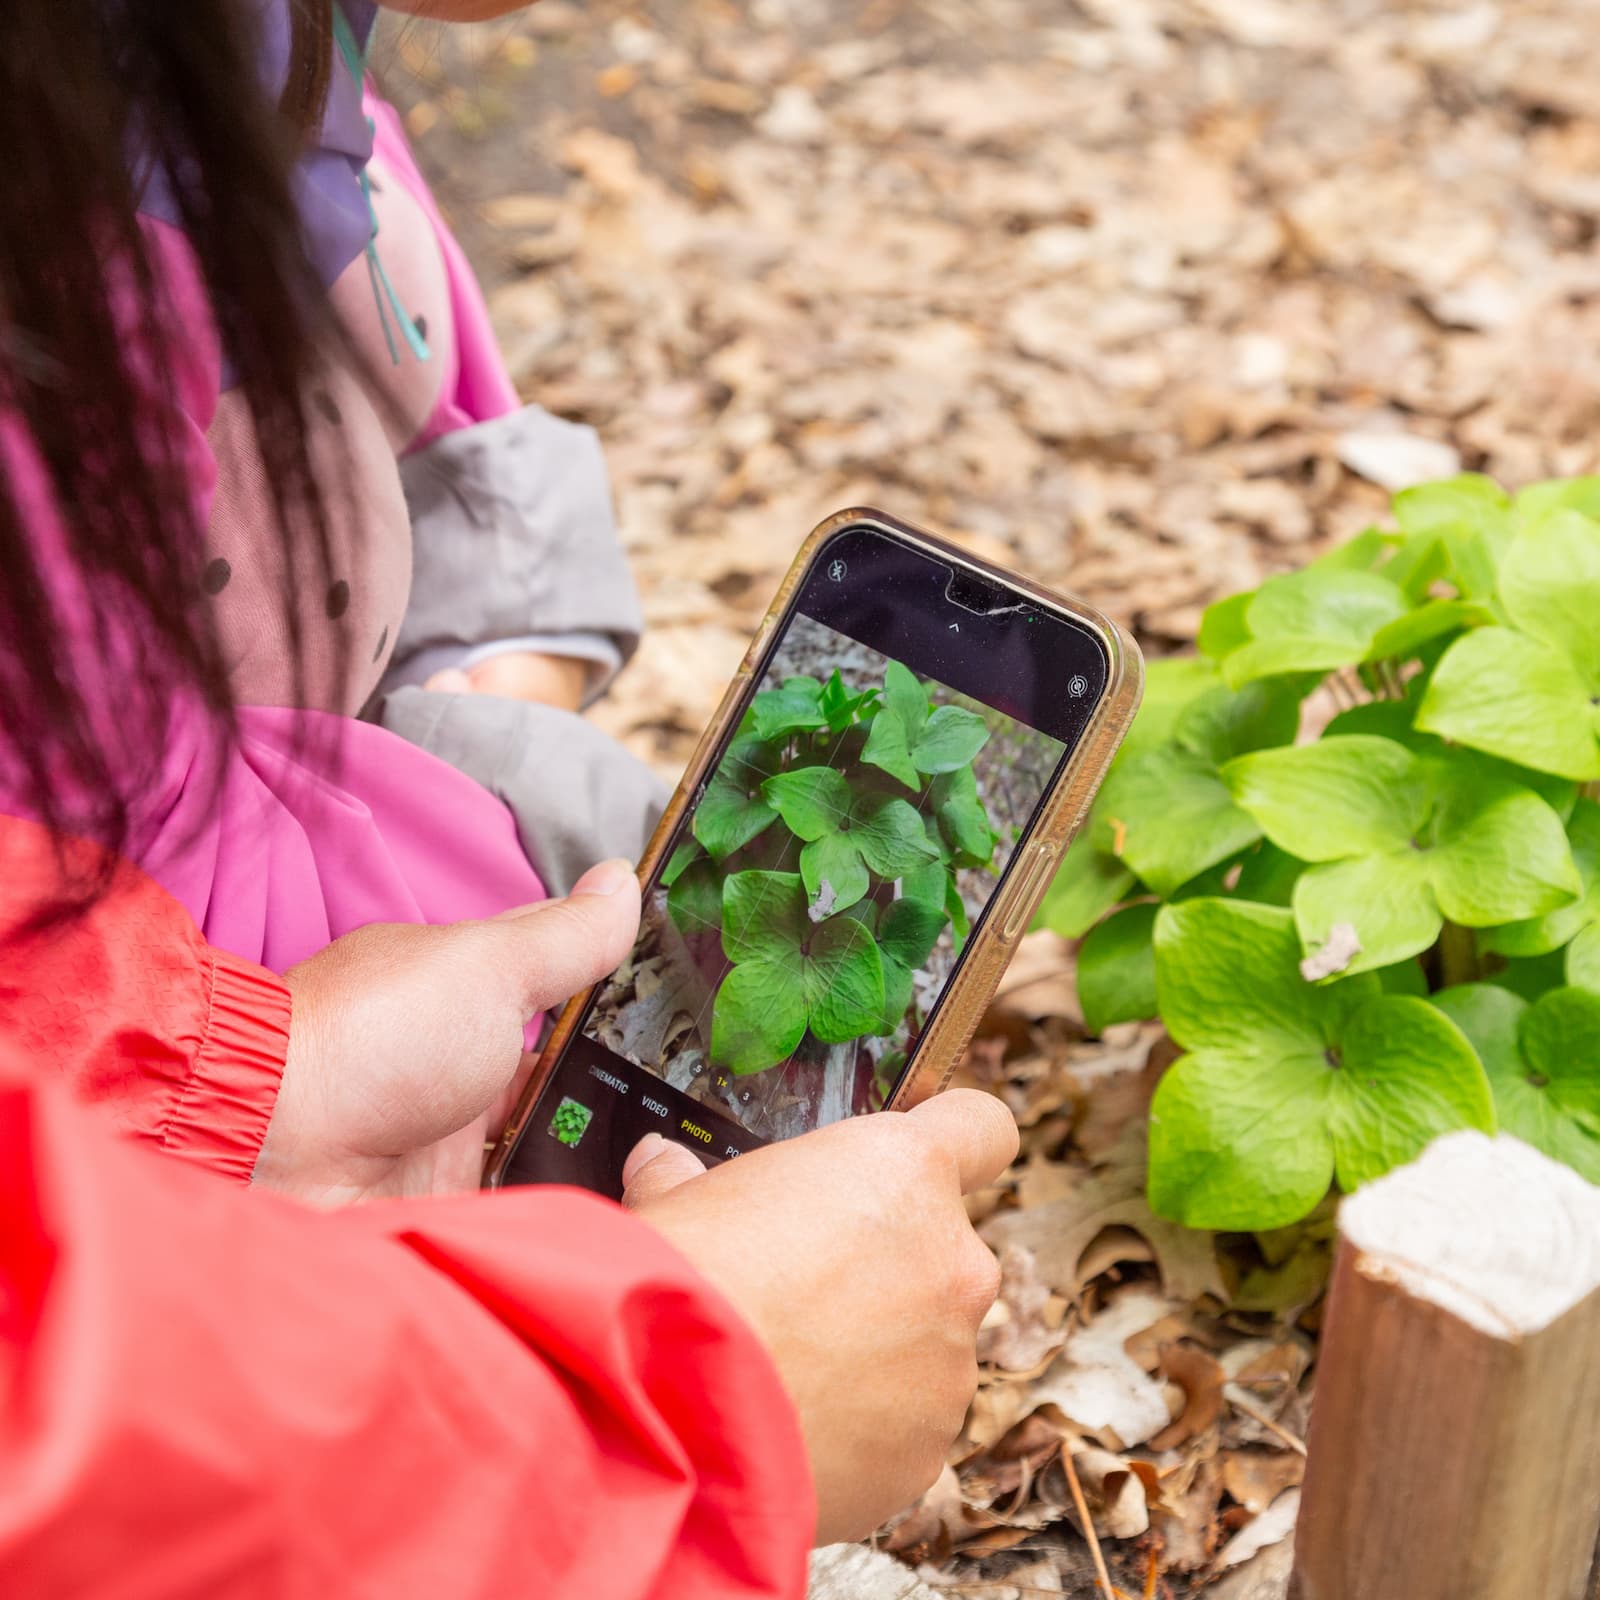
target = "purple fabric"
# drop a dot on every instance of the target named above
(320, 824)
(333, 212)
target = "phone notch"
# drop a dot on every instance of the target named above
(981, 596)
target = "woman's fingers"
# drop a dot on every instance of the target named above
(653, 1167)
(548, 952)
(975, 1129)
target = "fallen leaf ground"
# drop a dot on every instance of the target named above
(1150, 298)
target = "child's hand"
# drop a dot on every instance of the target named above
(559, 681)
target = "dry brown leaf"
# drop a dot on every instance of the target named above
(1024, 1326)
(1059, 1231)
(1094, 1384)
(1199, 1376)
(1113, 1491)
(1275, 1523)
(1255, 1478)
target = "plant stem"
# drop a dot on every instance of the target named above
(1458, 957)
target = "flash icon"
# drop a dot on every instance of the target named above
(837, 570)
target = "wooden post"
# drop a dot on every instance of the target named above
(1455, 1437)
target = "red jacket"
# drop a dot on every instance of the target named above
(206, 1391)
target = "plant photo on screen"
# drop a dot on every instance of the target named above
(826, 885)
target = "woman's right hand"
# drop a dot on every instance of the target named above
(849, 1252)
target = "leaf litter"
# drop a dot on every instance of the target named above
(1149, 298)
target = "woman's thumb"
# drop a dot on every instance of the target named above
(654, 1168)
(558, 947)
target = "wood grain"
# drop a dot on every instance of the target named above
(1455, 1443)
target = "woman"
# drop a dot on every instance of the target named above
(210, 1391)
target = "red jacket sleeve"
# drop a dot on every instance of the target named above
(210, 1392)
(182, 1044)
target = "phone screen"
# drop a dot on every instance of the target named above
(816, 901)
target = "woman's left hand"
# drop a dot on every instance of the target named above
(405, 1042)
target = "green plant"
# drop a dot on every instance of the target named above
(1369, 937)
(824, 855)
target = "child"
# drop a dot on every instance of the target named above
(466, 536)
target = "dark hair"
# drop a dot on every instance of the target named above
(84, 84)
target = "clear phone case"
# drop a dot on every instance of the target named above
(1060, 814)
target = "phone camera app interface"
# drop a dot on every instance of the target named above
(818, 901)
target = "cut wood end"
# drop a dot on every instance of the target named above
(1486, 1228)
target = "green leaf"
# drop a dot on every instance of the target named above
(905, 698)
(843, 977)
(1539, 500)
(758, 1017)
(1313, 621)
(789, 974)
(1239, 1142)
(1515, 697)
(686, 854)
(925, 883)
(898, 992)
(1541, 1063)
(887, 748)
(1171, 685)
(812, 801)
(1530, 978)
(1223, 722)
(1228, 978)
(1343, 796)
(1117, 969)
(763, 915)
(1469, 517)
(1357, 554)
(1386, 898)
(1168, 815)
(1223, 627)
(1087, 884)
(956, 909)
(834, 860)
(1404, 977)
(889, 834)
(965, 823)
(694, 899)
(732, 811)
(1287, 1083)
(1583, 959)
(1406, 1075)
(1267, 875)
(1402, 639)
(910, 929)
(1500, 855)
(1538, 935)
(838, 705)
(1550, 584)
(951, 737)
(1420, 561)
(795, 708)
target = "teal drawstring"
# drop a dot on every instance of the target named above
(383, 291)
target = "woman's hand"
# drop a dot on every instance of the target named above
(849, 1252)
(405, 1042)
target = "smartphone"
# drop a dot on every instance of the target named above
(861, 837)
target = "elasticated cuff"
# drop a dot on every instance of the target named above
(222, 1118)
